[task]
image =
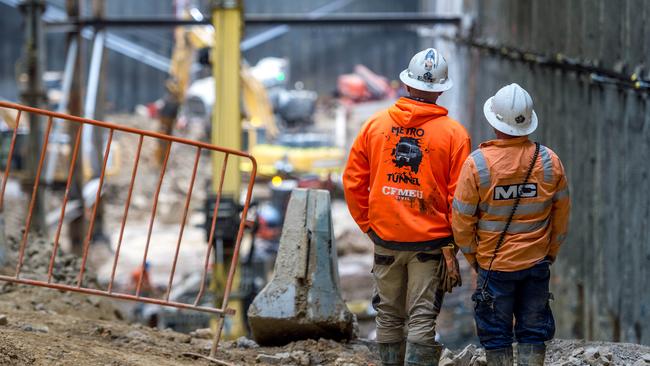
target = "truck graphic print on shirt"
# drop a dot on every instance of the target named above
(407, 153)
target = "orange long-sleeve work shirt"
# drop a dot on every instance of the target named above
(489, 183)
(402, 169)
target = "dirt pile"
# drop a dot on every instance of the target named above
(37, 260)
(581, 353)
(469, 356)
(301, 353)
(39, 338)
(563, 352)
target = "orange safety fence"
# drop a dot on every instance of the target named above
(110, 291)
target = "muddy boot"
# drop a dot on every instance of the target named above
(420, 355)
(530, 354)
(499, 357)
(391, 354)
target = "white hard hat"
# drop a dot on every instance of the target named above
(510, 111)
(427, 72)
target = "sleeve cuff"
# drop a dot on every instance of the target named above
(365, 227)
(471, 258)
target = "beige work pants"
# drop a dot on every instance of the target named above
(406, 285)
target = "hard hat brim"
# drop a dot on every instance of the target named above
(504, 127)
(421, 85)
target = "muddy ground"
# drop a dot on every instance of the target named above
(46, 327)
(41, 326)
(78, 330)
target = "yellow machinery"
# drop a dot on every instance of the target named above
(323, 161)
(258, 121)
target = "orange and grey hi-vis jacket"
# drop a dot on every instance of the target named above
(401, 174)
(489, 183)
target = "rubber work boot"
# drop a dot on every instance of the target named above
(530, 354)
(391, 354)
(499, 357)
(421, 355)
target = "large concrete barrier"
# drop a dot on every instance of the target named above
(303, 299)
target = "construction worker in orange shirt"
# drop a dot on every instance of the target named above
(510, 216)
(399, 184)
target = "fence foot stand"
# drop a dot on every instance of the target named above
(217, 335)
(211, 359)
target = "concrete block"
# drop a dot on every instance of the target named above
(303, 300)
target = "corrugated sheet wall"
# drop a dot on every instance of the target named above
(318, 54)
(602, 134)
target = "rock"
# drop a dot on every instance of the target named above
(603, 361)
(577, 352)
(358, 349)
(277, 359)
(446, 362)
(646, 357)
(446, 358)
(201, 344)
(478, 360)
(3, 319)
(591, 355)
(640, 363)
(606, 353)
(182, 338)
(203, 333)
(134, 334)
(35, 328)
(301, 358)
(446, 353)
(343, 362)
(243, 342)
(465, 356)
(572, 361)
(94, 301)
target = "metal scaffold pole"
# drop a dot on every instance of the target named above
(226, 131)
(77, 225)
(33, 94)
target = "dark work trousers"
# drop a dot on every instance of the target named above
(521, 295)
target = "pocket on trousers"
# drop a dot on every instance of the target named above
(550, 319)
(384, 260)
(426, 257)
(484, 315)
(483, 301)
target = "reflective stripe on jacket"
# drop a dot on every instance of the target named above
(488, 185)
(402, 169)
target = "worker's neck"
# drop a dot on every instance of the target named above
(504, 136)
(430, 100)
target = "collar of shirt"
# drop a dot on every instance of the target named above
(506, 142)
(419, 100)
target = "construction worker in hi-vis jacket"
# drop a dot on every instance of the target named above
(399, 184)
(510, 216)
